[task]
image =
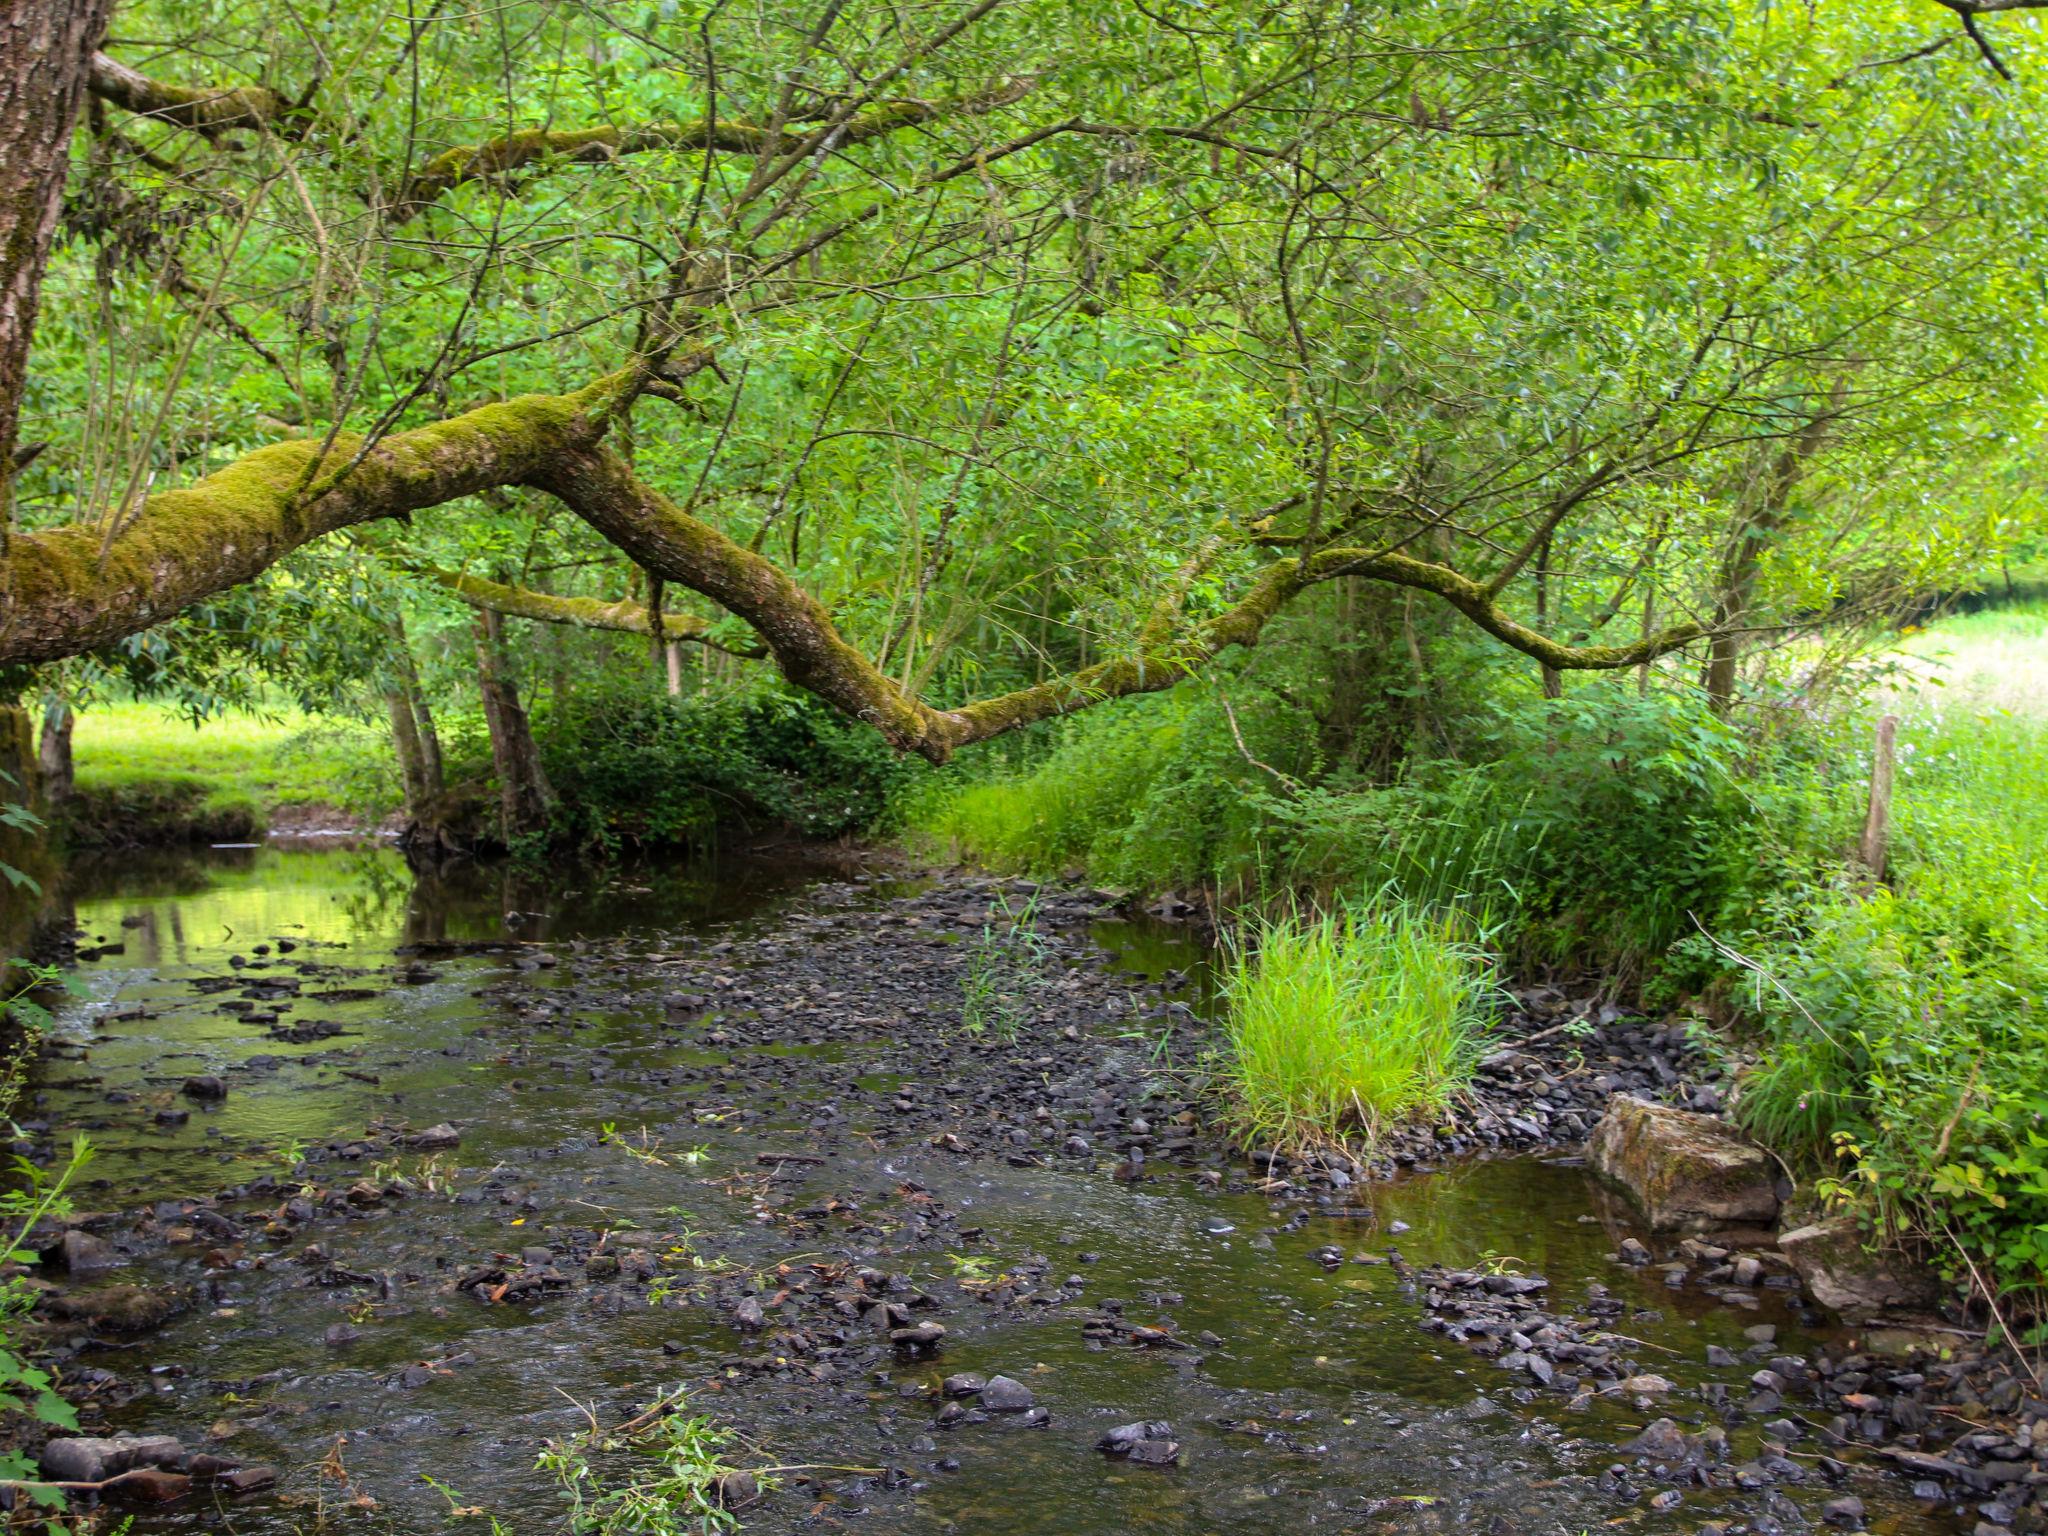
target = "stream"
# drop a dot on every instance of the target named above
(720, 1130)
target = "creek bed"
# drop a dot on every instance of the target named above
(751, 1080)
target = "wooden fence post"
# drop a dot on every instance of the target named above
(1877, 820)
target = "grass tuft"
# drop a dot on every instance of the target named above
(1344, 1025)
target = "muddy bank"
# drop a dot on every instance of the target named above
(474, 1147)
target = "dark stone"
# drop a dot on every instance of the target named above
(1005, 1395)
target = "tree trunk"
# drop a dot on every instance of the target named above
(1759, 520)
(412, 764)
(53, 751)
(525, 799)
(46, 49)
(672, 652)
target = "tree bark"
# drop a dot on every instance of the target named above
(1760, 519)
(525, 799)
(53, 750)
(412, 761)
(46, 49)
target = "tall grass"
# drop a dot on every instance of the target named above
(1345, 1024)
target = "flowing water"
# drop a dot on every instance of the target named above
(1314, 1400)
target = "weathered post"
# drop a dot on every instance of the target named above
(1877, 819)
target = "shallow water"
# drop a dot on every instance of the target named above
(1324, 1406)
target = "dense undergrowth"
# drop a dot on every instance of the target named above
(1898, 1030)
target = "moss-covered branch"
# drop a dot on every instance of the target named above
(74, 589)
(596, 146)
(67, 590)
(666, 541)
(206, 110)
(624, 617)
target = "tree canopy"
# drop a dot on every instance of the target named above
(980, 360)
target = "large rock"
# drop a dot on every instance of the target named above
(1847, 1278)
(1687, 1172)
(90, 1459)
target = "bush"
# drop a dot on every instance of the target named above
(639, 768)
(1906, 1030)
(1345, 1024)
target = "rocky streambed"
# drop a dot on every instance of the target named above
(400, 1180)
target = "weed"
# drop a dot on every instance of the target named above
(1006, 962)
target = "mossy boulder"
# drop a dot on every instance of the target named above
(1686, 1172)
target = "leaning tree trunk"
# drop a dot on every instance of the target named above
(53, 750)
(46, 49)
(525, 799)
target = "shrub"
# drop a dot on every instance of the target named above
(1344, 1024)
(1906, 1030)
(639, 768)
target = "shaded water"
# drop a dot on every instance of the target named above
(1323, 1405)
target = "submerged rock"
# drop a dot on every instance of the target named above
(91, 1459)
(1688, 1172)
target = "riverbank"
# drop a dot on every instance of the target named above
(147, 777)
(461, 1149)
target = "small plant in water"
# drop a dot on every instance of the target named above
(672, 1486)
(645, 1149)
(1005, 963)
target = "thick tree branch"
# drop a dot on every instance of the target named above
(669, 543)
(61, 594)
(596, 146)
(209, 111)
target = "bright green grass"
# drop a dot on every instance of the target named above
(237, 761)
(1910, 1024)
(1343, 1025)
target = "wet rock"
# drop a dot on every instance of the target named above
(1003, 1394)
(84, 1254)
(1688, 1172)
(736, 1490)
(88, 1459)
(1119, 1441)
(923, 1337)
(115, 1308)
(207, 1088)
(965, 1384)
(1153, 1453)
(435, 1137)
(1633, 1252)
(748, 1314)
(1845, 1277)
(1846, 1512)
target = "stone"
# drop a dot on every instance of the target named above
(1688, 1173)
(964, 1384)
(92, 1459)
(1154, 1453)
(1119, 1441)
(434, 1137)
(736, 1490)
(114, 1308)
(208, 1088)
(1005, 1395)
(84, 1254)
(1841, 1274)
